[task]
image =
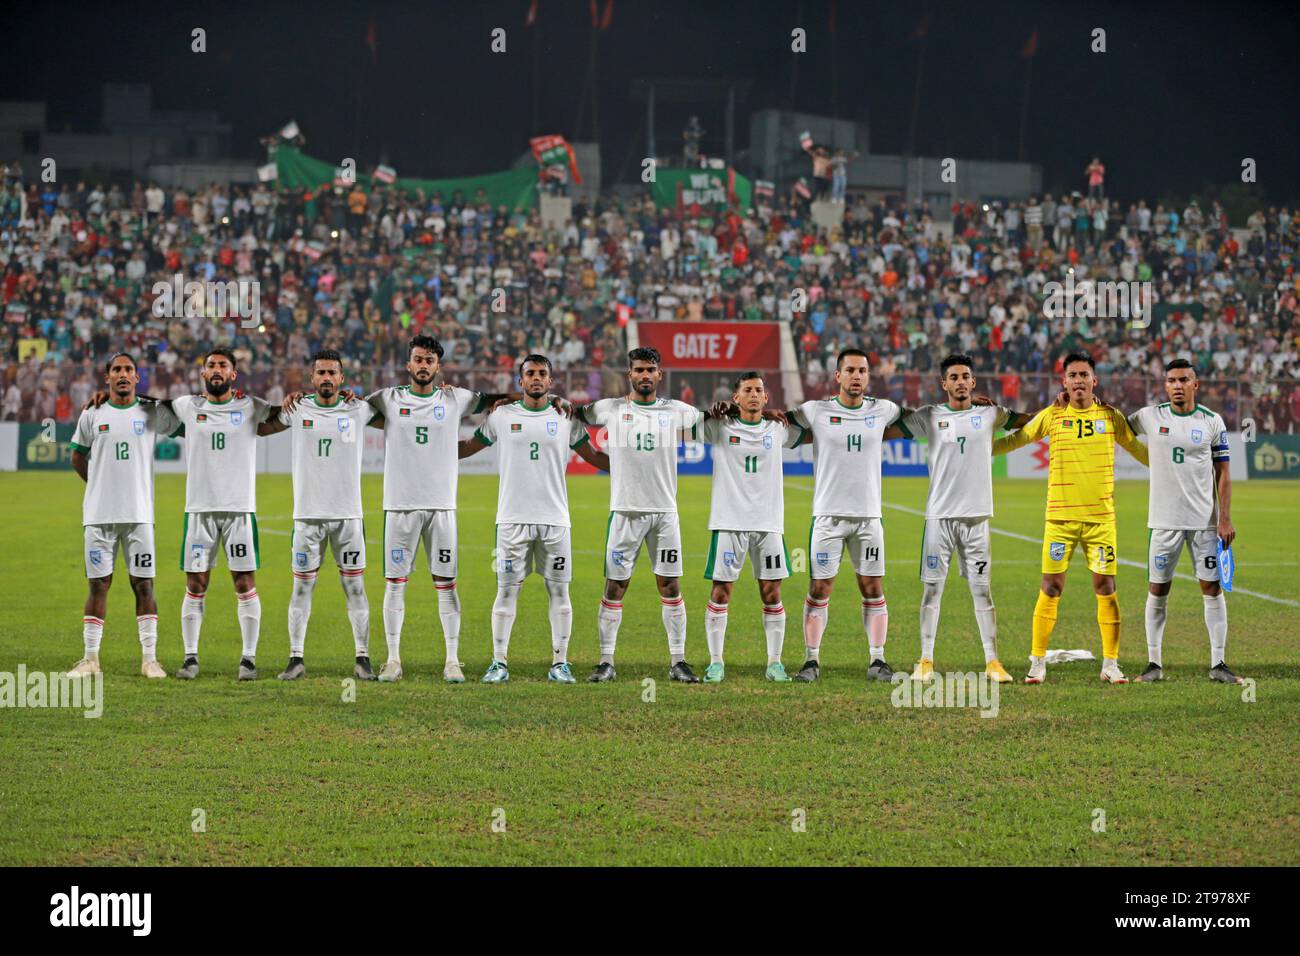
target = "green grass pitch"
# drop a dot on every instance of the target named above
(417, 773)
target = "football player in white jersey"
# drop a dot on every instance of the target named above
(326, 436)
(846, 432)
(959, 505)
(421, 424)
(747, 517)
(1190, 506)
(644, 431)
(534, 440)
(112, 451)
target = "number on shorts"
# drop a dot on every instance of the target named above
(557, 563)
(143, 561)
(1211, 562)
(444, 555)
(1105, 554)
(667, 555)
(873, 554)
(772, 562)
(980, 566)
(238, 550)
(351, 557)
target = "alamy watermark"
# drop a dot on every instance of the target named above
(975, 690)
(1091, 299)
(39, 689)
(179, 299)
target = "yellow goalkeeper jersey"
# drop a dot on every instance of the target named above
(1081, 445)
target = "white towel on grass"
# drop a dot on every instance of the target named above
(1060, 657)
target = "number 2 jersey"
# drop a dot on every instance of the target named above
(119, 441)
(642, 448)
(327, 443)
(1183, 449)
(533, 447)
(846, 454)
(220, 451)
(1081, 443)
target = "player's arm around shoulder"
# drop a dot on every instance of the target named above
(483, 436)
(1125, 435)
(1036, 428)
(580, 443)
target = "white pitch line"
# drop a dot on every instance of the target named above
(1124, 561)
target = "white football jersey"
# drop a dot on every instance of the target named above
(220, 451)
(119, 441)
(421, 433)
(961, 457)
(327, 443)
(642, 448)
(748, 476)
(1183, 449)
(846, 454)
(532, 457)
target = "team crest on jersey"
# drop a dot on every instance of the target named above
(236, 418)
(823, 558)
(1057, 550)
(300, 558)
(552, 428)
(1197, 435)
(439, 412)
(344, 423)
(137, 425)
(729, 559)
(663, 420)
(870, 422)
(932, 561)
(399, 555)
(767, 441)
(96, 557)
(976, 421)
(1161, 561)
(616, 558)
(1100, 425)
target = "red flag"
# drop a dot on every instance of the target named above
(1031, 46)
(532, 13)
(372, 40)
(922, 28)
(608, 16)
(595, 17)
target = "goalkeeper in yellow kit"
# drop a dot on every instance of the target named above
(1080, 506)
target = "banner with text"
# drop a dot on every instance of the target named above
(714, 345)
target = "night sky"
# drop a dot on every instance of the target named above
(1185, 91)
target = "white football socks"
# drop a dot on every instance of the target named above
(774, 630)
(875, 621)
(674, 616)
(814, 625)
(354, 594)
(147, 624)
(1156, 613)
(248, 609)
(449, 613)
(931, 597)
(191, 622)
(561, 614)
(92, 633)
(503, 620)
(300, 610)
(986, 617)
(394, 614)
(715, 630)
(608, 620)
(1216, 622)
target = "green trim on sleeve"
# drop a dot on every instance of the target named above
(584, 438)
(179, 433)
(907, 432)
(481, 404)
(478, 434)
(81, 448)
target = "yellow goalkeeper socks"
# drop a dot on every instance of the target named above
(1044, 622)
(1108, 624)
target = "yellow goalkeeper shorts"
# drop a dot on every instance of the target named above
(1060, 538)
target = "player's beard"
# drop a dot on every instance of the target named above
(326, 390)
(644, 388)
(423, 378)
(215, 390)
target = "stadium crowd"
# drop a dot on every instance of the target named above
(363, 270)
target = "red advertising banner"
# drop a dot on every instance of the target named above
(714, 345)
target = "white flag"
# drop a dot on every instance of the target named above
(267, 173)
(290, 130)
